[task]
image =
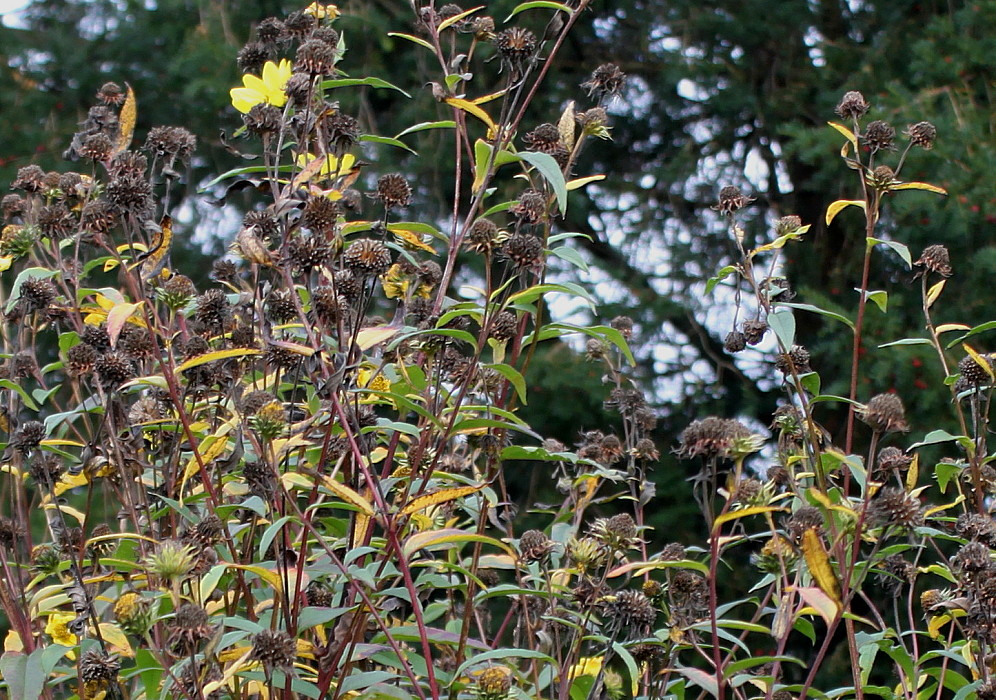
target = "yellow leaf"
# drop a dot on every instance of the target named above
(836, 207)
(920, 186)
(980, 360)
(210, 448)
(935, 624)
(118, 640)
(755, 510)
(361, 526)
(846, 132)
(118, 317)
(934, 292)
(471, 108)
(126, 120)
(216, 355)
(410, 238)
(270, 577)
(153, 262)
(13, 642)
(69, 481)
(914, 472)
(940, 509)
(437, 497)
(819, 565)
(447, 536)
(580, 182)
(484, 99)
(945, 327)
(368, 337)
(818, 602)
(566, 127)
(450, 21)
(348, 495)
(5, 262)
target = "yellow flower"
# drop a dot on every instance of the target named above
(332, 167)
(319, 11)
(57, 628)
(266, 90)
(586, 666)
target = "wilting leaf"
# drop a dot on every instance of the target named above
(819, 565)
(153, 262)
(437, 497)
(840, 205)
(126, 120)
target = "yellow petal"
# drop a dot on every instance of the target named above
(253, 82)
(244, 99)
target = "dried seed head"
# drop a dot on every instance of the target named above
(524, 251)
(893, 459)
(253, 56)
(342, 132)
(974, 526)
(504, 326)
(270, 30)
(494, 683)
(804, 518)
(96, 666)
(46, 469)
(973, 373)
(306, 253)
(213, 310)
(545, 138)
(30, 178)
(885, 414)
(274, 649)
(171, 142)
(28, 436)
(731, 199)
(263, 119)
(934, 258)
(367, 256)
(735, 342)
(852, 106)
(787, 224)
(128, 163)
(516, 45)
(98, 216)
(673, 551)
(633, 611)
(111, 94)
(319, 595)
(483, 237)
(896, 508)
(531, 206)
(534, 545)
(12, 206)
(327, 35)
(795, 360)
(393, 191)
(606, 80)
(896, 574)
(922, 134)
(623, 324)
(131, 194)
(262, 223)
(717, 438)
(280, 306)
(37, 293)
(749, 492)
(754, 330)
(617, 533)
(98, 147)
(879, 136)
(80, 359)
(315, 57)
(299, 24)
(646, 450)
(973, 558)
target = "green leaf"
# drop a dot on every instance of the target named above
(539, 4)
(981, 328)
(920, 186)
(934, 437)
(720, 276)
(572, 256)
(387, 140)
(944, 472)
(846, 132)
(879, 297)
(783, 324)
(811, 383)
(28, 273)
(822, 312)
(514, 377)
(371, 82)
(502, 654)
(413, 39)
(28, 401)
(549, 168)
(906, 341)
(482, 156)
(841, 204)
(900, 248)
(425, 126)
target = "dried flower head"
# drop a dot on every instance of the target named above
(852, 105)
(504, 326)
(922, 134)
(171, 142)
(754, 330)
(735, 342)
(274, 649)
(879, 136)
(606, 81)
(975, 374)
(897, 573)
(617, 533)
(524, 251)
(731, 199)
(975, 526)
(483, 237)
(190, 627)
(885, 414)
(633, 612)
(530, 207)
(795, 361)
(393, 191)
(893, 459)
(545, 138)
(367, 256)
(894, 507)
(263, 119)
(494, 683)
(934, 258)
(717, 438)
(804, 518)
(516, 45)
(97, 666)
(534, 545)
(28, 436)
(315, 57)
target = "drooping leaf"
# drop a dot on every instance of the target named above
(819, 565)
(550, 170)
(436, 497)
(841, 204)
(126, 120)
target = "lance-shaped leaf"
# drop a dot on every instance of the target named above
(819, 566)
(436, 497)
